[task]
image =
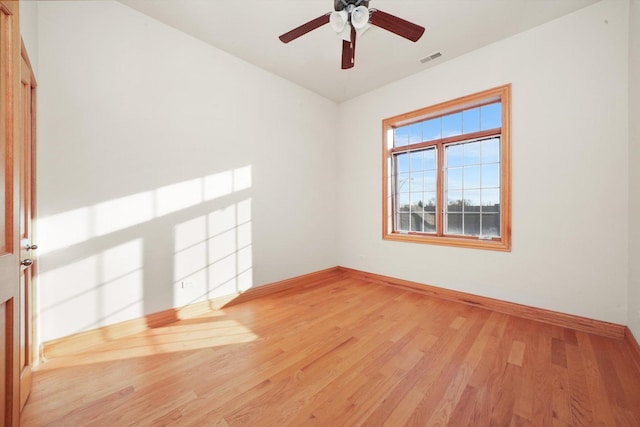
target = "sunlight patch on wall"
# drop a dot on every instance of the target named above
(65, 229)
(178, 196)
(109, 286)
(124, 212)
(69, 300)
(242, 178)
(121, 278)
(101, 289)
(79, 225)
(245, 250)
(218, 185)
(213, 255)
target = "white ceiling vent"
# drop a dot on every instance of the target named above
(431, 57)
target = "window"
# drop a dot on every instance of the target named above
(447, 173)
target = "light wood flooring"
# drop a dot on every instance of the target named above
(342, 353)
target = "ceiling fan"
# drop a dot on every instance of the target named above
(350, 19)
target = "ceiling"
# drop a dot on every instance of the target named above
(249, 29)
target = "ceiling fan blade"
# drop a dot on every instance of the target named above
(396, 25)
(305, 28)
(349, 51)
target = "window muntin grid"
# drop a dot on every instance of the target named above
(472, 188)
(415, 189)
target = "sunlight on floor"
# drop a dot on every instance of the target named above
(192, 334)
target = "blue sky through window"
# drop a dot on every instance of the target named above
(459, 123)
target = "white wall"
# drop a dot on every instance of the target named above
(570, 173)
(29, 31)
(162, 160)
(634, 170)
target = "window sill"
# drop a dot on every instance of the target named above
(471, 243)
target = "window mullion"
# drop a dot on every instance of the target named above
(440, 190)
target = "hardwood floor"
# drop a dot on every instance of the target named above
(344, 352)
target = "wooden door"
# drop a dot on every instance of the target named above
(9, 214)
(27, 245)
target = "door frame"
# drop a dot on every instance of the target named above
(10, 110)
(31, 355)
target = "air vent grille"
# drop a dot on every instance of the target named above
(431, 57)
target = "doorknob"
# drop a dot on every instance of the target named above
(26, 262)
(31, 247)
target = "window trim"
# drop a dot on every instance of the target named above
(502, 243)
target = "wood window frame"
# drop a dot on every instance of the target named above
(502, 243)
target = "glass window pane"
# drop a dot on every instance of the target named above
(471, 120)
(400, 136)
(431, 129)
(452, 125)
(454, 201)
(454, 178)
(416, 182)
(415, 133)
(402, 221)
(416, 222)
(471, 177)
(417, 161)
(403, 182)
(471, 224)
(471, 154)
(491, 150)
(429, 223)
(430, 181)
(491, 116)
(471, 200)
(402, 163)
(403, 202)
(491, 224)
(454, 155)
(453, 224)
(430, 159)
(490, 199)
(491, 175)
(430, 201)
(416, 202)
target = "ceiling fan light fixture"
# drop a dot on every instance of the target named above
(359, 17)
(361, 31)
(338, 20)
(345, 34)
(350, 19)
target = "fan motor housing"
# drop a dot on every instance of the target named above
(338, 5)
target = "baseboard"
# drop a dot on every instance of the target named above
(73, 344)
(578, 323)
(632, 343)
(306, 280)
